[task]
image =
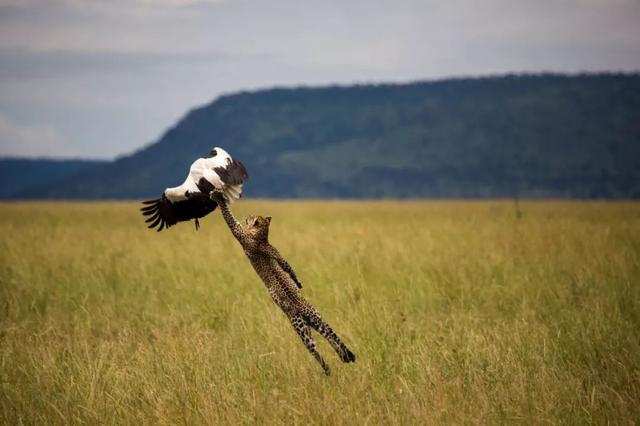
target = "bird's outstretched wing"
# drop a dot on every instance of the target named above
(164, 214)
(234, 173)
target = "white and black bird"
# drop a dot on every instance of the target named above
(191, 199)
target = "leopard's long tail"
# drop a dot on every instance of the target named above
(325, 331)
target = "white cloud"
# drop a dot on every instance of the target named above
(26, 141)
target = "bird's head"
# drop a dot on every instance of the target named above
(258, 227)
(216, 151)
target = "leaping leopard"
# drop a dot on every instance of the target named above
(281, 281)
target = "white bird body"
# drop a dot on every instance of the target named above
(205, 168)
(219, 171)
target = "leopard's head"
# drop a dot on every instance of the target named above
(258, 227)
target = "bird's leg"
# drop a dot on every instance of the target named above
(197, 224)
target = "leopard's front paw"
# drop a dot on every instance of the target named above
(217, 196)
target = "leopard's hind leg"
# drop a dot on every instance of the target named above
(314, 320)
(303, 330)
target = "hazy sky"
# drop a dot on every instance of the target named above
(99, 78)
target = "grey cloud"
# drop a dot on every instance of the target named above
(23, 63)
(111, 75)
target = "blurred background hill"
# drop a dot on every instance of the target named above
(18, 175)
(517, 135)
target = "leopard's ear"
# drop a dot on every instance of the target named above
(268, 219)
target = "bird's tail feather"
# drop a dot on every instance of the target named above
(232, 192)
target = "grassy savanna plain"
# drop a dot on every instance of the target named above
(459, 312)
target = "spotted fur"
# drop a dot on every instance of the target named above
(281, 282)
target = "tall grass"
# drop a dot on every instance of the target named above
(459, 312)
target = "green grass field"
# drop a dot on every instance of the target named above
(459, 312)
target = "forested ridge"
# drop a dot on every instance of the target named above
(521, 135)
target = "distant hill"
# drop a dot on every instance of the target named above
(529, 135)
(20, 175)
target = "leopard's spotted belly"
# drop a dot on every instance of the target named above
(281, 287)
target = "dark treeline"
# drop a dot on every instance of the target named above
(20, 175)
(526, 136)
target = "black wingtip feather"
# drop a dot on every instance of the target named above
(152, 218)
(155, 222)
